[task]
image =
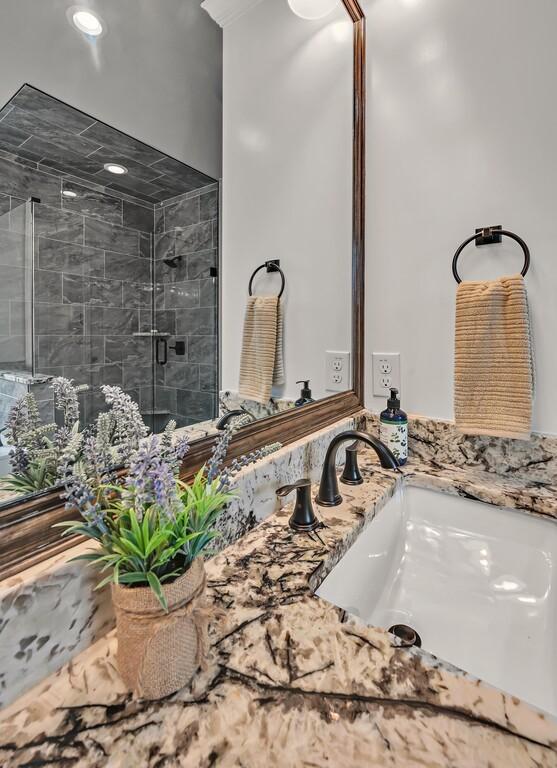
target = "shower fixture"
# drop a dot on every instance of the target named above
(173, 262)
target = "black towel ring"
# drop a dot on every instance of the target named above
(488, 233)
(270, 266)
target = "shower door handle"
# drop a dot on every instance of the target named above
(164, 343)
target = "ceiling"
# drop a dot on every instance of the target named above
(46, 131)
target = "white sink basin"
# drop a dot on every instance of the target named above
(476, 582)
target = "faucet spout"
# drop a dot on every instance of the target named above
(328, 495)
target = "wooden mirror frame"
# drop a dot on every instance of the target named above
(26, 533)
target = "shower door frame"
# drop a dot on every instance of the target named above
(26, 527)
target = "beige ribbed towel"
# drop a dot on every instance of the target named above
(261, 363)
(493, 376)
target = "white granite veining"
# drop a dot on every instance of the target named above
(51, 612)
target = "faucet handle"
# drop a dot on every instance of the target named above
(351, 473)
(303, 517)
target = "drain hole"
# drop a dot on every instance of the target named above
(405, 633)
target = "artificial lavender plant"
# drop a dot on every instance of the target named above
(149, 525)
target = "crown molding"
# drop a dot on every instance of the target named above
(224, 12)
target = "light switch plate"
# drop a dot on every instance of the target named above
(386, 372)
(337, 371)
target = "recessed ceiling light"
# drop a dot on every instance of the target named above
(115, 168)
(69, 193)
(312, 9)
(87, 22)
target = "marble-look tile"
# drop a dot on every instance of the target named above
(4, 210)
(198, 237)
(91, 290)
(165, 321)
(182, 375)
(145, 190)
(188, 177)
(27, 182)
(202, 349)
(118, 348)
(46, 108)
(164, 247)
(92, 202)
(27, 123)
(62, 158)
(4, 318)
(106, 136)
(53, 319)
(199, 264)
(11, 138)
(208, 292)
(137, 295)
(48, 286)
(111, 321)
(181, 295)
(20, 317)
(138, 217)
(13, 250)
(12, 284)
(200, 406)
(121, 266)
(182, 214)
(110, 237)
(208, 378)
(55, 350)
(70, 258)
(197, 321)
(56, 224)
(209, 206)
(136, 169)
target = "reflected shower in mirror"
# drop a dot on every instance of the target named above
(108, 273)
(117, 271)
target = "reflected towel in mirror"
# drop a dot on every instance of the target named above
(262, 359)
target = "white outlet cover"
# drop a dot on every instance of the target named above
(386, 372)
(338, 371)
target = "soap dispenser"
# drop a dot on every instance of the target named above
(393, 428)
(305, 394)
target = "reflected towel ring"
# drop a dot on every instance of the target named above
(270, 266)
(492, 232)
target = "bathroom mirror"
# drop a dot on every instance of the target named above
(200, 295)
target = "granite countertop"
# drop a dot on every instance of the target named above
(290, 680)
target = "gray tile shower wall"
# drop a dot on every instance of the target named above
(98, 281)
(93, 276)
(186, 230)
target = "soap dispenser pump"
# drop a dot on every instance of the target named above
(393, 427)
(305, 394)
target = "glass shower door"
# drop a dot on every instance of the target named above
(16, 293)
(93, 307)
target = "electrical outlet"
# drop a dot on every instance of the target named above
(337, 371)
(386, 372)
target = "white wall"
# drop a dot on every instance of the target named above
(287, 174)
(462, 133)
(156, 75)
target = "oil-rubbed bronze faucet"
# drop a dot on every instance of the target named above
(329, 495)
(303, 517)
(223, 421)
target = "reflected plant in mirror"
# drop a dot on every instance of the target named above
(41, 453)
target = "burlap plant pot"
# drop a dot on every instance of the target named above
(158, 653)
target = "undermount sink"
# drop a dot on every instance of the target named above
(475, 581)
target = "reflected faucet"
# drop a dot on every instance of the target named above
(328, 495)
(223, 421)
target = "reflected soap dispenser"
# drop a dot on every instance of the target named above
(305, 394)
(393, 428)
